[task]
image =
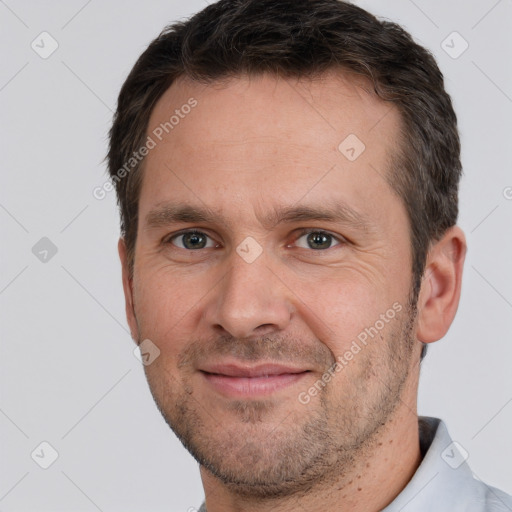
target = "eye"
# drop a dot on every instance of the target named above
(316, 239)
(191, 240)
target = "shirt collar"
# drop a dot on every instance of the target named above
(444, 482)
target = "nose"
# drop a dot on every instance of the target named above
(250, 300)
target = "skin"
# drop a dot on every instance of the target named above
(249, 146)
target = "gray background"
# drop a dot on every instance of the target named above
(68, 373)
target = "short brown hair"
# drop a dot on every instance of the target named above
(303, 38)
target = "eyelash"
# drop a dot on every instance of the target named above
(301, 233)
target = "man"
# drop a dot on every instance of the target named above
(287, 174)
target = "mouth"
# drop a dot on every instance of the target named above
(243, 381)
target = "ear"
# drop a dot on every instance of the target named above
(441, 285)
(128, 290)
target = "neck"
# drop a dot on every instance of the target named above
(371, 484)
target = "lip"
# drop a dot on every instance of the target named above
(234, 380)
(260, 370)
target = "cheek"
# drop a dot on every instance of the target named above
(340, 309)
(164, 306)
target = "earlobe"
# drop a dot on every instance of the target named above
(128, 290)
(441, 286)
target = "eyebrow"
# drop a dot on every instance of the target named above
(172, 213)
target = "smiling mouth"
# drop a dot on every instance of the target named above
(233, 380)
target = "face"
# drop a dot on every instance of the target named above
(272, 271)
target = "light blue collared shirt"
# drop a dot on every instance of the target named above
(444, 482)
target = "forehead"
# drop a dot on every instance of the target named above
(269, 138)
(306, 110)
